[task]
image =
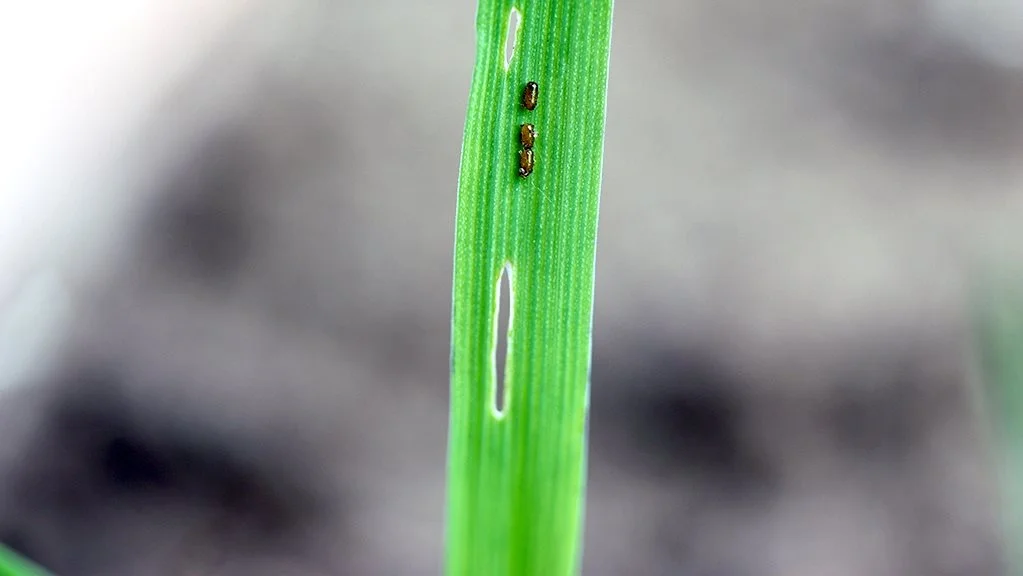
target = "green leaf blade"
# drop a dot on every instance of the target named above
(516, 481)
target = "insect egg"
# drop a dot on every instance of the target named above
(527, 134)
(525, 162)
(529, 95)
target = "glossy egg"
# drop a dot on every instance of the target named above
(527, 135)
(526, 162)
(530, 95)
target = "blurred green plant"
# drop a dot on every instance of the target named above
(999, 341)
(517, 441)
(11, 564)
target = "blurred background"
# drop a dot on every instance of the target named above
(226, 237)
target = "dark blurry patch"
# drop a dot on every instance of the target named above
(202, 225)
(696, 429)
(920, 97)
(126, 457)
(875, 423)
(128, 464)
(96, 454)
(889, 405)
(676, 414)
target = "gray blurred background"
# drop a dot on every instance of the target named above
(228, 353)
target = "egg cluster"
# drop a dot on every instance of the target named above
(527, 132)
